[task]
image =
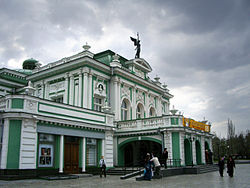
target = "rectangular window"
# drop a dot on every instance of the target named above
(91, 152)
(58, 99)
(46, 150)
(98, 104)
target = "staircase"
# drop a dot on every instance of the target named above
(208, 168)
(122, 170)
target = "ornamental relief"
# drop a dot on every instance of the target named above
(31, 105)
(139, 97)
(125, 91)
(57, 87)
(151, 101)
(139, 73)
(99, 88)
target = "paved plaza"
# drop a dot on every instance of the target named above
(209, 180)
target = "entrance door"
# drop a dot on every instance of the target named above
(198, 152)
(71, 155)
(188, 152)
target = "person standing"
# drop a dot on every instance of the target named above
(157, 166)
(221, 165)
(148, 168)
(230, 166)
(102, 164)
(165, 157)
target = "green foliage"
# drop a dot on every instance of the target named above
(236, 145)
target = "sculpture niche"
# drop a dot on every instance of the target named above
(137, 44)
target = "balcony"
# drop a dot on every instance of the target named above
(48, 109)
(150, 123)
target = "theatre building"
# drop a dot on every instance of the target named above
(62, 117)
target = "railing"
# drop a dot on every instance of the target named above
(153, 122)
(174, 162)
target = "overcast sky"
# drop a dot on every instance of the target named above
(199, 48)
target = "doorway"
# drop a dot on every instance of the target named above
(71, 155)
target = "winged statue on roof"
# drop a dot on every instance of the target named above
(137, 44)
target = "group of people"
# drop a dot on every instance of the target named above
(153, 166)
(230, 166)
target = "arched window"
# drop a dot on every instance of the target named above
(124, 110)
(139, 111)
(152, 112)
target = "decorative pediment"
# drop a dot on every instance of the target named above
(140, 64)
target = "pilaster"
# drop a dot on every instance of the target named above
(85, 90)
(80, 104)
(72, 85)
(61, 154)
(66, 87)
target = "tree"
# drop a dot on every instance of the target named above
(230, 136)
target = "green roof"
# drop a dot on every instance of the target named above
(107, 56)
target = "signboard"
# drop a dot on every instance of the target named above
(187, 122)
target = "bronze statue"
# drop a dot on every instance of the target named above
(138, 45)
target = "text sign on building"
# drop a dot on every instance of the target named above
(187, 122)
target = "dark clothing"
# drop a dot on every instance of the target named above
(221, 165)
(164, 158)
(210, 157)
(230, 167)
(148, 170)
(102, 164)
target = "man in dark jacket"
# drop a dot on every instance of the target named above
(221, 165)
(165, 157)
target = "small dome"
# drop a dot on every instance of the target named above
(30, 64)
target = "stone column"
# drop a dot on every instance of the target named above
(43, 90)
(80, 96)
(203, 160)
(119, 100)
(146, 109)
(194, 152)
(116, 100)
(72, 85)
(103, 147)
(182, 155)
(168, 143)
(5, 140)
(47, 90)
(61, 154)
(85, 90)
(90, 91)
(66, 88)
(133, 105)
(83, 154)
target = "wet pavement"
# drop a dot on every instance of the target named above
(208, 180)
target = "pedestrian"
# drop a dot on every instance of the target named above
(148, 168)
(157, 166)
(102, 164)
(230, 166)
(165, 157)
(221, 165)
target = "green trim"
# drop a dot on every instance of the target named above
(57, 152)
(18, 79)
(57, 80)
(147, 88)
(92, 89)
(64, 115)
(53, 125)
(174, 121)
(13, 155)
(176, 146)
(17, 103)
(80, 153)
(68, 90)
(82, 91)
(57, 92)
(188, 152)
(124, 143)
(131, 97)
(99, 151)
